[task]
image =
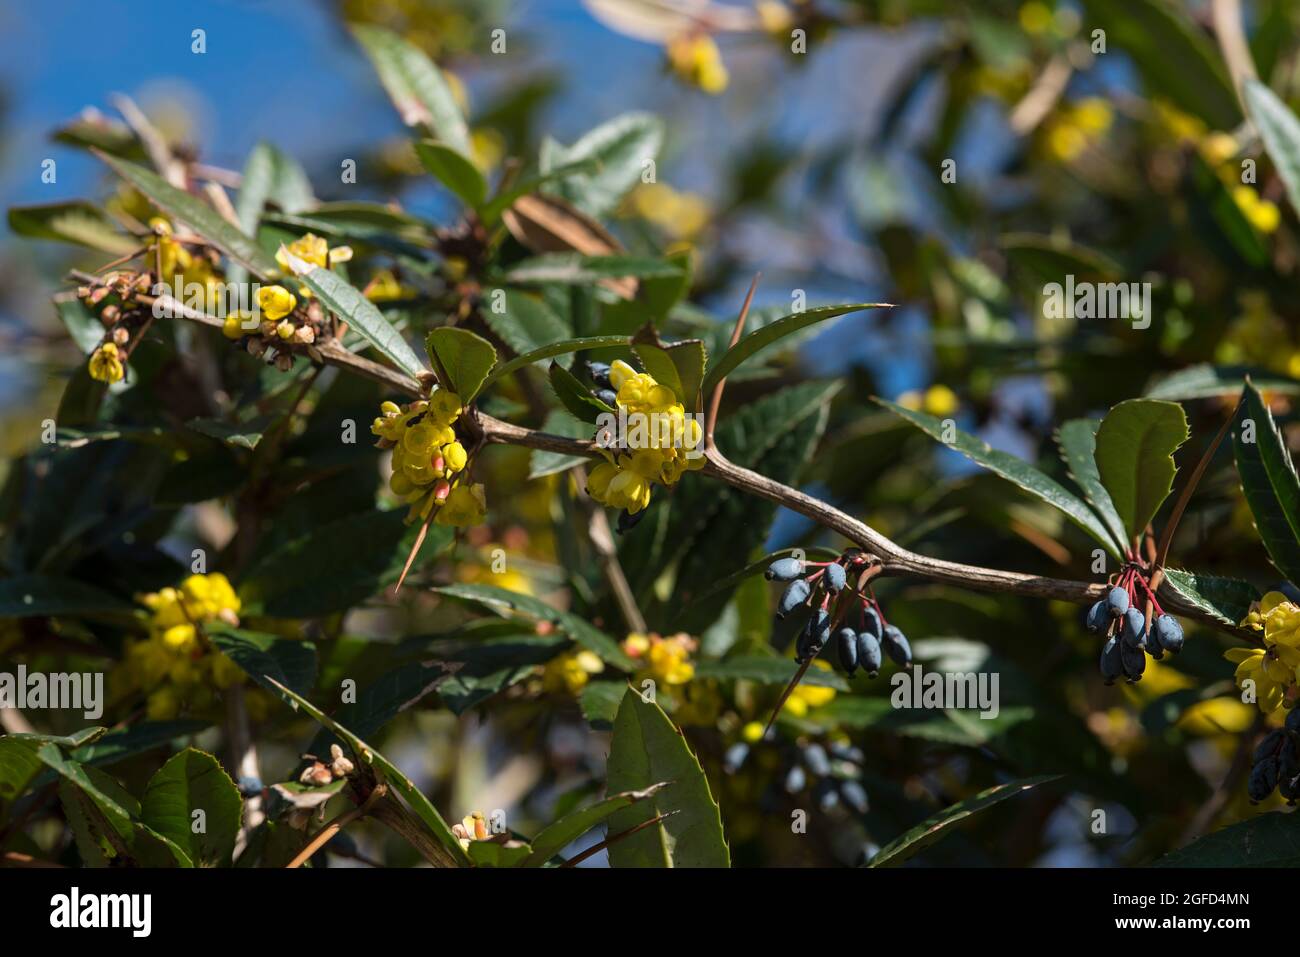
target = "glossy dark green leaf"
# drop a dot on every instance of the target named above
(1267, 840)
(454, 170)
(464, 356)
(1077, 440)
(1269, 482)
(1280, 130)
(619, 148)
(1226, 599)
(78, 221)
(193, 803)
(289, 661)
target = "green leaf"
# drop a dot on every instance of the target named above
(498, 853)
(1173, 55)
(465, 357)
(30, 596)
(271, 175)
(935, 828)
(1077, 439)
(83, 326)
(201, 217)
(194, 781)
(577, 628)
(361, 315)
(575, 396)
(648, 748)
(1205, 381)
(1014, 470)
(553, 349)
(526, 323)
(767, 670)
(1269, 840)
(577, 269)
(454, 170)
(766, 335)
(385, 697)
(19, 766)
(559, 835)
(528, 184)
(599, 702)
(241, 435)
(289, 661)
(677, 365)
(85, 736)
(333, 567)
(1135, 457)
(415, 85)
(1268, 480)
(1280, 131)
(398, 781)
(1226, 599)
(77, 222)
(619, 148)
(127, 742)
(480, 667)
(542, 463)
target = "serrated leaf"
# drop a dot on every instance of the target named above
(1269, 840)
(200, 217)
(339, 296)
(1226, 599)
(935, 828)
(1015, 470)
(415, 85)
(464, 356)
(398, 781)
(290, 661)
(79, 222)
(194, 781)
(454, 170)
(1135, 457)
(1280, 130)
(500, 600)
(1269, 482)
(1077, 439)
(772, 332)
(554, 349)
(559, 835)
(619, 147)
(647, 748)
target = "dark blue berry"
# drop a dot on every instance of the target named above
(599, 372)
(1134, 629)
(1097, 619)
(1111, 665)
(869, 656)
(1169, 633)
(1134, 661)
(827, 795)
(814, 755)
(855, 796)
(795, 780)
(871, 623)
(735, 757)
(835, 577)
(1263, 779)
(846, 646)
(250, 786)
(784, 570)
(897, 647)
(1268, 746)
(607, 396)
(795, 594)
(1293, 719)
(1117, 602)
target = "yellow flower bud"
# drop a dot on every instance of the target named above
(276, 302)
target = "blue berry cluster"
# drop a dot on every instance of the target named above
(1125, 624)
(830, 773)
(1276, 762)
(856, 620)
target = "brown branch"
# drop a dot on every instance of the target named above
(715, 400)
(893, 558)
(595, 849)
(333, 827)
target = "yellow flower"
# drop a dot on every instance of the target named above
(696, 60)
(309, 248)
(1261, 213)
(465, 506)
(668, 659)
(1035, 18)
(236, 326)
(276, 302)
(1273, 668)
(752, 732)
(385, 287)
(570, 672)
(105, 365)
(444, 406)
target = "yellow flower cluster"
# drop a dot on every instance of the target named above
(665, 660)
(1275, 668)
(679, 215)
(178, 266)
(806, 697)
(174, 663)
(570, 672)
(1076, 126)
(106, 364)
(695, 59)
(428, 459)
(659, 445)
(312, 249)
